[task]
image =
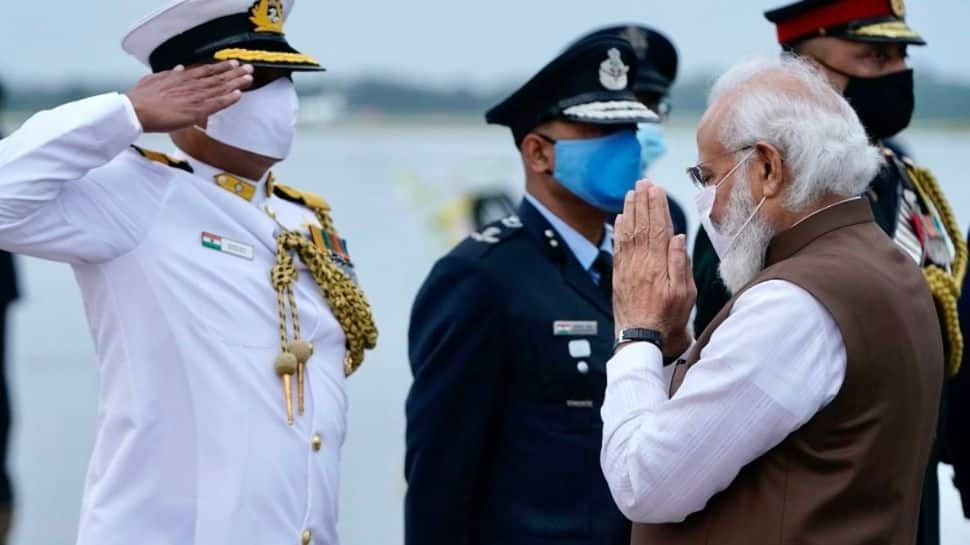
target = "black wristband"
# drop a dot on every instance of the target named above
(639, 334)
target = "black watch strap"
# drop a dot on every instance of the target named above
(638, 335)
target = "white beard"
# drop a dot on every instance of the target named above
(746, 257)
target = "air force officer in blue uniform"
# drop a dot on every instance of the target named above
(511, 331)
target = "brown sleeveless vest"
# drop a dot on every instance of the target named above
(853, 473)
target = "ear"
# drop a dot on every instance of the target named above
(537, 154)
(769, 169)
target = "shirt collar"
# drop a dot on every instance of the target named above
(250, 190)
(584, 250)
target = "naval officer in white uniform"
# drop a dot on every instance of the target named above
(223, 305)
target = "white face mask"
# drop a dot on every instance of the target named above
(705, 199)
(262, 122)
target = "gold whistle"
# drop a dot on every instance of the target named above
(302, 350)
(286, 366)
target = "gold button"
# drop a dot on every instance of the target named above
(316, 442)
(306, 537)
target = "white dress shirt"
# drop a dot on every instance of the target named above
(769, 367)
(192, 443)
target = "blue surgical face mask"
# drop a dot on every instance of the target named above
(652, 143)
(600, 170)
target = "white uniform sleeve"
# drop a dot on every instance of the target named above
(777, 360)
(54, 203)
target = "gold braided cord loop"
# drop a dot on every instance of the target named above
(944, 285)
(282, 275)
(946, 293)
(355, 314)
(346, 300)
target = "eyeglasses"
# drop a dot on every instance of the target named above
(696, 173)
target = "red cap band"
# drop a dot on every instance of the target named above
(834, 14)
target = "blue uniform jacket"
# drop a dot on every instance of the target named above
(509, 340)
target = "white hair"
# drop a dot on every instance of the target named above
(786, 102)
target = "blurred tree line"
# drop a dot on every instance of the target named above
(938, 100)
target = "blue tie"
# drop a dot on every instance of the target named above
(604, 267)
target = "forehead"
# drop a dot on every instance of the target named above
(852, 47)
(708, 141)
(569, 128)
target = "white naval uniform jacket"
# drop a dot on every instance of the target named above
(192, 443)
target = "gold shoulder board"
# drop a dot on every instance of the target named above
(314, 202)
(162, 158)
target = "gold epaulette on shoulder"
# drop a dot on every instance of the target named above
(314, 202)
(162, 158)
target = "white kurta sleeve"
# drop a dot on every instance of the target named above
(777, 360)
(55, 203)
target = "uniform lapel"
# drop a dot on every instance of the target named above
(573, 273)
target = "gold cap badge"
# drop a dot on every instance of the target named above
(267, 16)
(899, 8)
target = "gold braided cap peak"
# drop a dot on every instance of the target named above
(944, 285)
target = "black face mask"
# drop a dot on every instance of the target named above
(884, 104)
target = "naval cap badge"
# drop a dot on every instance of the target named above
(613, 72)
(267, 16)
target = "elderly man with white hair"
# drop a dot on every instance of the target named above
(780, 423)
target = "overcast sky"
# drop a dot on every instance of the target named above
(488, 42)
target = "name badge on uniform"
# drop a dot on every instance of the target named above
(226, 246)
(574, 328)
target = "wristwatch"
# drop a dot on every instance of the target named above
(637, 335)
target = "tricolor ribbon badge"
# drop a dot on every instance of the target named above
(212, 241)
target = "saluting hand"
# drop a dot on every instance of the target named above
(182, 97)
(653, 287)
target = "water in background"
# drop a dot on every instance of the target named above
(386, 185)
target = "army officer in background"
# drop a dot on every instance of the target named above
(511, 331)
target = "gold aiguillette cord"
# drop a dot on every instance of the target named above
(296, 353)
